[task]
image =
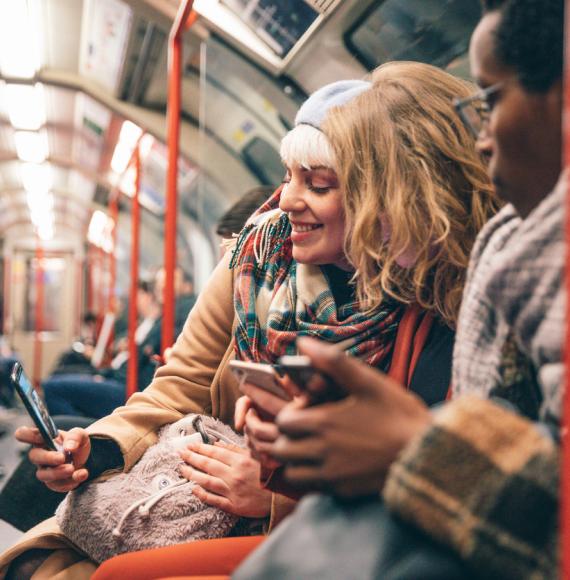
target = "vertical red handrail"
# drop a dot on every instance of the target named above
(90, 289)
(101, 286)
(112, 301)
(565, 435)
(132, 368)
(39, 314)
(180, 24)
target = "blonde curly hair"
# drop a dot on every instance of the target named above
(412, 183)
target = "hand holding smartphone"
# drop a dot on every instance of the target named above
(319, 387)
(35, 407)
(261, 375)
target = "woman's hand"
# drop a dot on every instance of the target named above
(260, 436)
(53, 467)
(348, 446)
(227, 477)
(255, 413)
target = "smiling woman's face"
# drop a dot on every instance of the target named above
(312, 199)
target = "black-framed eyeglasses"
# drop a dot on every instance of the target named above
(475, 110)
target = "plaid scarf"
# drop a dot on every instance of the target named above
(277, 299)
(512, 314)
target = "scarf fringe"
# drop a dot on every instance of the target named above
(266, 237)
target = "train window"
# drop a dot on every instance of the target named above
(279, 23)
(264, 161)
(431, 31)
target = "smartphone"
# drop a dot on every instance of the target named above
(261, 375)
(35, 407)
(301, 372)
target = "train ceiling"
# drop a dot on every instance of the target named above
(80, 80)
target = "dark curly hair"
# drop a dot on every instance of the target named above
(530, 39)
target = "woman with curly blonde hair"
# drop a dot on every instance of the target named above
(415, 190)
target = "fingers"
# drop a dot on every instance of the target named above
(261, 431)
(69, 484)
(207, 482)
(267, 402)
(212, 499)
(289, 386)
(243, 404)
(43, 457)
(207, 464)
(348, 372)
(75, 439)
(29, 435)
(302, 422)
(305, 476)
(306, 451)
(57, 473)
(63, 478)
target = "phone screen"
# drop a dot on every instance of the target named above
(35, 407)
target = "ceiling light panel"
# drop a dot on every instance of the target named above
(31, 146)
(36, 177)
(25, 106)
(20, 32)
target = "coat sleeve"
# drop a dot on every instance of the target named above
(483, 481)
(184, 384)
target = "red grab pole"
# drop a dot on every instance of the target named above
(132, 365)
(39, 314)
(114, 215)
(111, 299)
(565, 435)
(181, 23)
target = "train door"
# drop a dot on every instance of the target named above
(56, 320)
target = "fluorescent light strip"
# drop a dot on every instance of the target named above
(25, 105)
(31, 146)
(19, 33)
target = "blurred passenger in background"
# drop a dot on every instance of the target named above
(8, 357)
(183, 294)
(234, 218)
(96, 395)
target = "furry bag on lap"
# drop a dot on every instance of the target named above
(152, 505)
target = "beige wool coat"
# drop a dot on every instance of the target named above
(196, 379)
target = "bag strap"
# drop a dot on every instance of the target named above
(413, 331)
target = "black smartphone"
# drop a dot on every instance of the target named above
(302, 372)
(35, 407)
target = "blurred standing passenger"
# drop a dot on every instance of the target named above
(97, 395)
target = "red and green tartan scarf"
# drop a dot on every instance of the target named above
(278, 299)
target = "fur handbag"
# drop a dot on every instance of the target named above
(152, 505)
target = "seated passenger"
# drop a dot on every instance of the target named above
(478, 477)
(183, 294)
(97, 395)
(233, 219)
(290, 276)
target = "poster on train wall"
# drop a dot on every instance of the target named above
(106, 25)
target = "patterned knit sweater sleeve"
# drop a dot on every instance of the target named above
(484, 482)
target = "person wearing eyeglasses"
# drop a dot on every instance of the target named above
(479, 475)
